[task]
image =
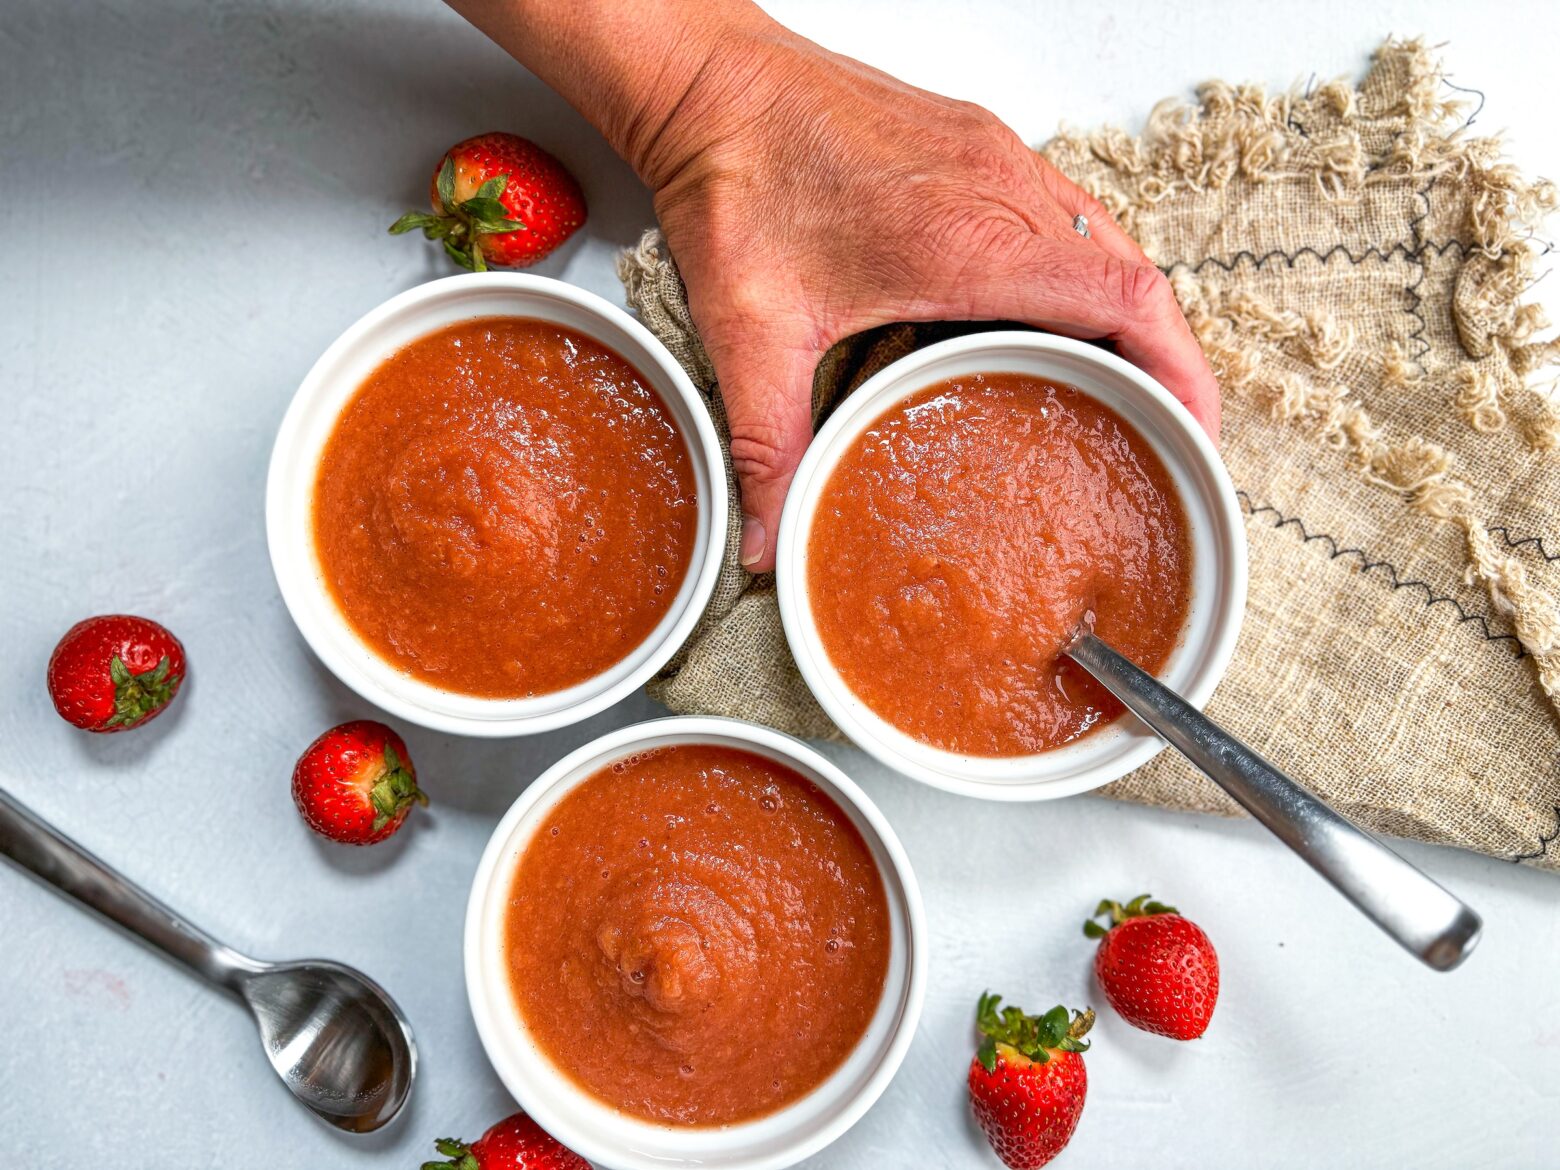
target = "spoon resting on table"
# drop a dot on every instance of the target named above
(1398, 897)
(337, 1040)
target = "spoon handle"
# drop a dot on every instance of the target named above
(1395, 895)
(37, 846)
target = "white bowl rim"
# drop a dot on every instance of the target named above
(324, 628)
(502, 853)
(952, 772)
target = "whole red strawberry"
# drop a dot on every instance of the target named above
(499, 201)
(115, 672)
(516, 1143)
(1157, 969)
(355, 784)
(1027, 1081)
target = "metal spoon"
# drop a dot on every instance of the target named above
(1398, 897)
(338, 1042)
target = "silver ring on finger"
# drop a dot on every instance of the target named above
(1081, 225)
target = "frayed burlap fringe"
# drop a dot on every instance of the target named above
(1355, 265)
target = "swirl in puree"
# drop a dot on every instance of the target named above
(697, 935)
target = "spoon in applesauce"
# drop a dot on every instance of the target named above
(337, 1040)
(1398, 897)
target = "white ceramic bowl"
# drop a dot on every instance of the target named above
(616, 1140)
(307, 426)
(1218, 537)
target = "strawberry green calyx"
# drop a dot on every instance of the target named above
(394, 792)
(1035, 1037)
(138, 696)
(1143, 906)
(459, 225)
(458, 1153)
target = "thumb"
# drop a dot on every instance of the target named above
(766, 385)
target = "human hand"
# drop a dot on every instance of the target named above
(806, 197)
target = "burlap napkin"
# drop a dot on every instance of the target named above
(1354, 263)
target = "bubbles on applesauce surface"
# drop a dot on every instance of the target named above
(771, 800)
(832, 946)
(619, 767)
(553, 831)
(685, 1069)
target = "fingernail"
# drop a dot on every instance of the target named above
(753, 537)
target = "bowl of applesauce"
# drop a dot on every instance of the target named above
(964, 511)
(496, 505)
(695, 942)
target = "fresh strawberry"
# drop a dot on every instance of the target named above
(115, 672)
(355, 784)
(1027, 1081)
(1157, 969)
(499, 201)
(516, 1143)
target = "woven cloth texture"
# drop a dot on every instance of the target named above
(1355, 264)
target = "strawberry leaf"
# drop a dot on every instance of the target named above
(461, 257)
(493, 188)
(1054, 1022)
(1035, 1037)
(395, 791)
(137, 697)
(496, 227)
(480, 209)
(445, 185)
(459, 225)
(987, 1054)
(1143, 906)
(459, 1155)
(412, 220)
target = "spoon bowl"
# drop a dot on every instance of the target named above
(336, 1039)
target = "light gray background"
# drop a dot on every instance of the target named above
(196, 195)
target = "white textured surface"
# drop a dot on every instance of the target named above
(196, 198)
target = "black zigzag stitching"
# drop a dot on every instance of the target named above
(1521, 542)
(1544, 841)
(1415, 301)
(1394, 577)
(1415, 254)
(1291, 258)
(1431, 598)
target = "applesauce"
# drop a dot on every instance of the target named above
(505, 508)
(962, 539)
(697, 935)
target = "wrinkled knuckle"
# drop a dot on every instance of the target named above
(758, 452)
(1092, 207)
(976, 230)
(1140, 289)
(982, 145)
